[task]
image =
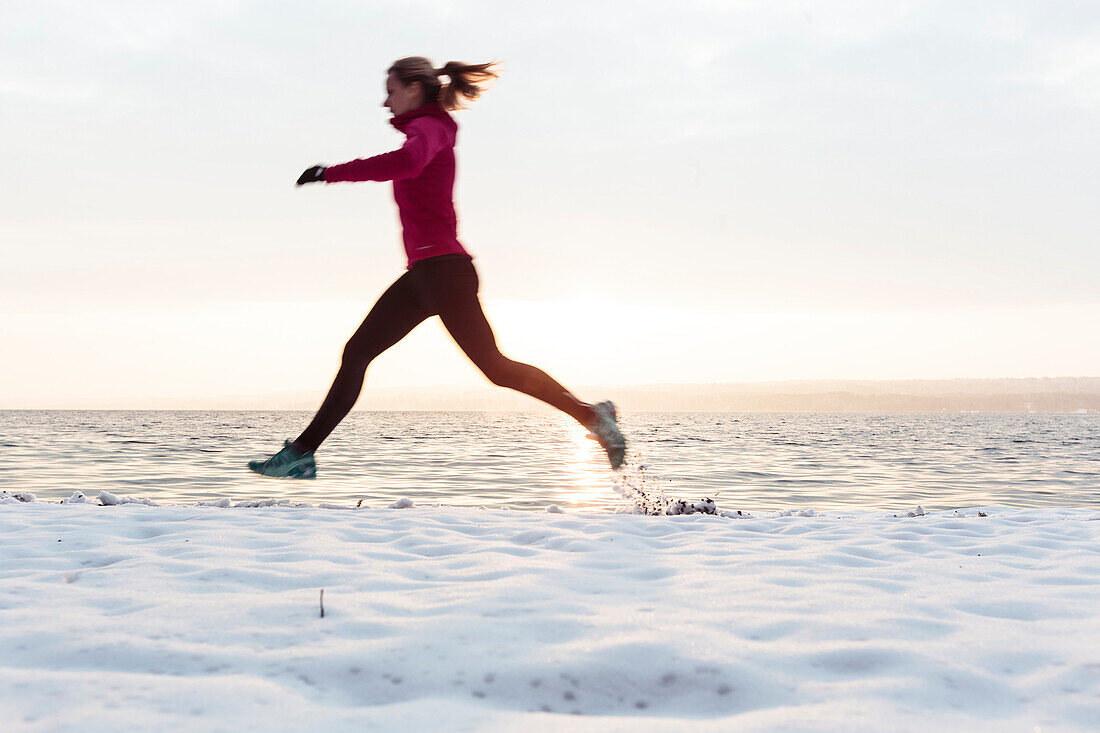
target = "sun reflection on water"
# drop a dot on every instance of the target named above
(588, 478)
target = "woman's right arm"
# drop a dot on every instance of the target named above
(426, 137)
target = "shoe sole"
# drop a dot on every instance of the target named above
(616, 451)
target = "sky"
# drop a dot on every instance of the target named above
(682, 192)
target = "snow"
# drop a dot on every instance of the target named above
(115, 615)
(106, 498)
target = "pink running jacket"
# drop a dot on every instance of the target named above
(423, 175)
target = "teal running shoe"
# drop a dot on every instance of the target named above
(286, 463)
(607, 432)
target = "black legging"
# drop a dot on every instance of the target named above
(445, 286)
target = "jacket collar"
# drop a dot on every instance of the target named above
(433, 109)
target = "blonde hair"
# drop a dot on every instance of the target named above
(467, 80)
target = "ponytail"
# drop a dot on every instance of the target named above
(467, 81)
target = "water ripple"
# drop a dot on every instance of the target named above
(753, 462)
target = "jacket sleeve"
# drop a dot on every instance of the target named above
(426, 137)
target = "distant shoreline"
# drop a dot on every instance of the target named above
(1053, 395)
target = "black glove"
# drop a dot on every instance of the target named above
(312, 175)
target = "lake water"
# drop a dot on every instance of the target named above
(751, 462)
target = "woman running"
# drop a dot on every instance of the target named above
(440, 279)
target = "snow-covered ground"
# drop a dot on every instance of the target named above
(135, 617)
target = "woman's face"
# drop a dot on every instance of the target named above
(400, 98)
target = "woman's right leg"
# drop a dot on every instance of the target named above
(455, 294)
(396, 313)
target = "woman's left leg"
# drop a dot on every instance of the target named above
(461, 313)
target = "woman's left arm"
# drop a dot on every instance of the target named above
(426, 137)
